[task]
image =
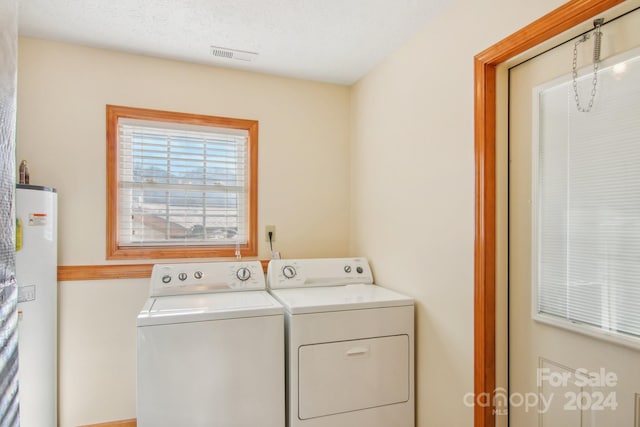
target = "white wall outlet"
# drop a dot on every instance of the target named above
(272, 229)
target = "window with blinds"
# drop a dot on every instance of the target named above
(182, 185)
(587, 215)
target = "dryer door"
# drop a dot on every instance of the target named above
(347, 376)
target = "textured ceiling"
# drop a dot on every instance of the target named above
(334, 41)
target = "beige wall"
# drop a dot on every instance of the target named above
(303, 149)
(62, 92)
(412, 185)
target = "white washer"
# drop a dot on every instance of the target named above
(350, 345)
(210, 348)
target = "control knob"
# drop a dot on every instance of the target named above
(166, 279)
(182, 276)
(289, 272)
(198, 275)
(243, 274)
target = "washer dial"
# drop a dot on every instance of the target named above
(243, 274)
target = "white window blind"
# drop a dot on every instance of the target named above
(587, 216)
(181, 184)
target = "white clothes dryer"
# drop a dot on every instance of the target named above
(210, 349)
(349, 345)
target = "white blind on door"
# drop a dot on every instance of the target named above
(181, 184)
(588, 203)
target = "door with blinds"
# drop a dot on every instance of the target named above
(8, 289)
(574, 231)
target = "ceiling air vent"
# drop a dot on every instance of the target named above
(239, 55)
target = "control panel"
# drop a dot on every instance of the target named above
(196, 278)
(300, 273)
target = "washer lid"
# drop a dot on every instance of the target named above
(338, 298)
(201, 307)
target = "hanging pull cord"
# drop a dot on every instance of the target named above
(597, 39)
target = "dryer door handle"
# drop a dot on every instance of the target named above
(357, 351)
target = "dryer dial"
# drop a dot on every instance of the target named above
(289, 272)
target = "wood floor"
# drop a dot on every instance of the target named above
(123, 423)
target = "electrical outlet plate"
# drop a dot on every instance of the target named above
(272, 229)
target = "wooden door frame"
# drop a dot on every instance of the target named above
(562, 19)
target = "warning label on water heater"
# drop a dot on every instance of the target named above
(37, 219)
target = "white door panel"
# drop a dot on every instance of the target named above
(345, 376)
(562, 376)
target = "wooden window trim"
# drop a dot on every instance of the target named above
(112, 271)
(561, 19)
(114, 250)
